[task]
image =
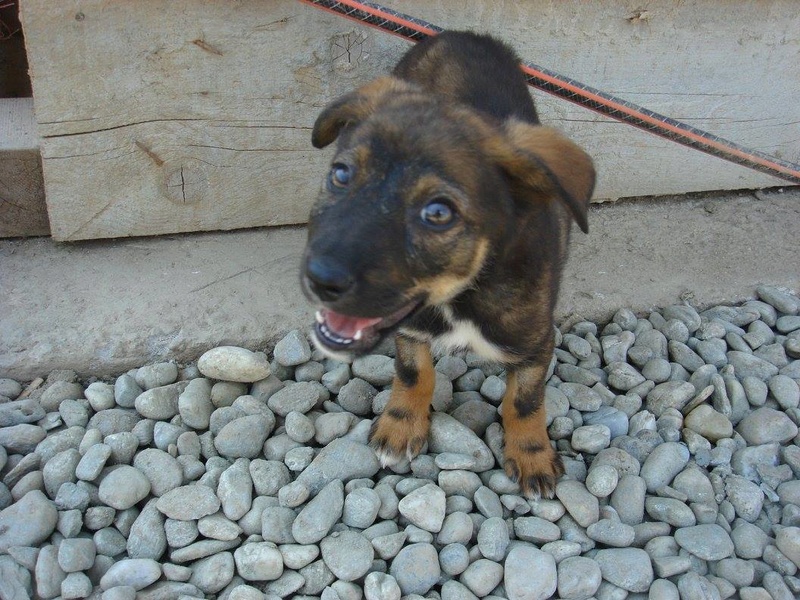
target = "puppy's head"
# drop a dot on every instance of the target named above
(418, 196)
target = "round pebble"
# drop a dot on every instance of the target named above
(231, 363)
(124, 487)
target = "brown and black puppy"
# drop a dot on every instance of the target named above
(445, 216)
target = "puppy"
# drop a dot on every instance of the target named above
(445, 217)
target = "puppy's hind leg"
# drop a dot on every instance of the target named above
(529, 458)
(402, 430)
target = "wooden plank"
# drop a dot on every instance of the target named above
(22, 205)
(165, 116)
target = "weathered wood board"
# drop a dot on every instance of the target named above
(163, 116)
(22, 205)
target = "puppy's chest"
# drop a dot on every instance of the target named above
(464, 334)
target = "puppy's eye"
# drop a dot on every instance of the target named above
(340, 175)
(438, 214)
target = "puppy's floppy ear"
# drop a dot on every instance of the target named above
(354, 107)
(544, 160)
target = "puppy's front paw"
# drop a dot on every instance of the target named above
(399, 433)
(534, 465)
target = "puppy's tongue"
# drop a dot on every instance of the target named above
(346, 326)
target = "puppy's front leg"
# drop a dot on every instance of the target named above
(529, 458)
(402, 430)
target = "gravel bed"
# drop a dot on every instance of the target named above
(248, 477)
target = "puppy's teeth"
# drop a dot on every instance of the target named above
(319, 317)
(357, 336)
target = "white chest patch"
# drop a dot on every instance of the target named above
(465, 335)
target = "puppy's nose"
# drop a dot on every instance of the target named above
(328, 280)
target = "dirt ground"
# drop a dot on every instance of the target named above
(103, 307)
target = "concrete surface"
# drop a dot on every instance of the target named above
(101, 308)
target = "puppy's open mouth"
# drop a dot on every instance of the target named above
(339, 332)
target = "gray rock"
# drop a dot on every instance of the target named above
(276, 524)
(137, 573)
(749, 365)
(60, 469)
(231, 363)
(15, 580)
(300, 397)
(76, 554)
(299, 427)
(114, 420)
(785, 390)
(156, 375)
(787, 539)
(745, 496)
(482, 576)
(493, 539)
(694, 585)
(10, 388)
(335, 378)
(708, 541)
(124, 487)
(162, 470)
(536, 530)
(591, 438)
(781, 300)
(109, 541)
(314, 522)
(424, 507)
(194, 404)
(348, 554)
(615, 347)
(416, 568)
(454, 559)
(244, 437)
(188, 502)
(160, 403)
(581, 397)
(22, 411)
(749, 540)
(292, 350)
(268, 476)
(361, 508)
(579, 502)
(765, 426)
(685, 356)
(663, 463)
(58, 391)
(235, 490)
(578, 577)
(670, 394)
(147, 537)
(126, 391)
(22, 438)
(529, 573)
(387, 546)
(669, 510)
(380, 586)
(259, 561)
(614, 419)
(449, 435)
(376, 369)
(611, 533)
(356, 396)
(627, 568)
(213, 573)
(48, 574)
(709, 423)
(628, 499)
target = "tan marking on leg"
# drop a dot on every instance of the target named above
(402, 430)
(529, 457)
